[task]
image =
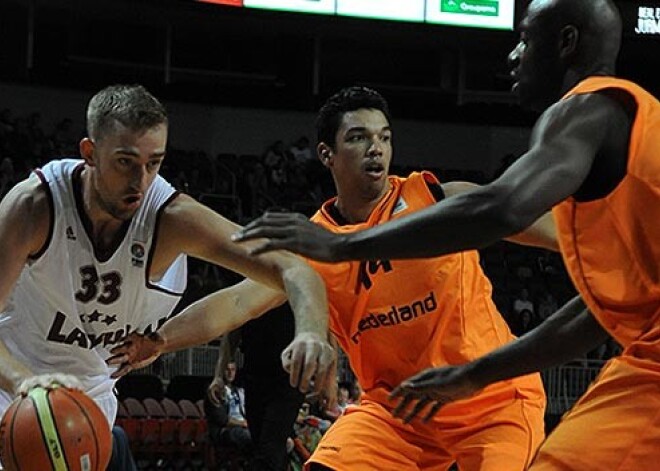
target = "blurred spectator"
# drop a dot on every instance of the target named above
(271, 404)
(547, 305)
(547, 264)
(301, 152)
(216, 409)
(223, 390)
(524, 273)
(356, 393)
(275, 156)
(523, 303)
(523, 322)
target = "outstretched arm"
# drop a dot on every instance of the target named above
(567, 334)
(541, 233)
(228, 346)
(217, 314)
(222, 313)
(189, 227)
(564, 144)
(204, 320)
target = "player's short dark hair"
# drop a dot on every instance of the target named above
(131, 106)
(346, 100)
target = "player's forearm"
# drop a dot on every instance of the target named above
(568, 334)
(307, 297)
(12, 372)
(217, 314)
(466, 221)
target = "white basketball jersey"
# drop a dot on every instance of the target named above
(69, 307)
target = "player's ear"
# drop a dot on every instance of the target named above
(325, 154)
(87, 151)
(569, 39)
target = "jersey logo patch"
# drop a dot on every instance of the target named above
(137, 252)
(400, 205)
(69, 233)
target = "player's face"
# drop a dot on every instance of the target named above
(344, 395)
(535, 65)
(124, 164)
(230, 372)
(363, 152)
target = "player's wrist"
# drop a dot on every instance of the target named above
(159, 340)
(480, 373)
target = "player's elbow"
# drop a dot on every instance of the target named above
(514, 222)
(296, 270)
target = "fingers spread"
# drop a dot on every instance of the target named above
(117, 359)
(124, 369)
(403, 405)
(421, 404)
(434, 410)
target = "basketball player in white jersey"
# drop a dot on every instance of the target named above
(94, 249)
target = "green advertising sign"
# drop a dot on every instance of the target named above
(471, 7)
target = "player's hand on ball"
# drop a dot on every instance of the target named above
(309, 356)
(134, 352)
(49, 380)
(431, 389)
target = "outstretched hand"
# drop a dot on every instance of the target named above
(432, 388)
(293, 232)
(309, 359)
(134, 352)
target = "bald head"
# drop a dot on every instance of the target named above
(598, 24)
(561, 43)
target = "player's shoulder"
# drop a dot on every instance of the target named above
(597, 105)
(29, 198)
(28, 210)
(184, 216)
(180, 209)
(588, 116)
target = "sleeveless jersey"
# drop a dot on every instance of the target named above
(394, 318)
(611, 246)
(69, 308)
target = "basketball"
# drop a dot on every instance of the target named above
(57, 429)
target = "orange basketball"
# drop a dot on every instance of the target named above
(57, 429)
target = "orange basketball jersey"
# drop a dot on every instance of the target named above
(611, 246)
(394, 318)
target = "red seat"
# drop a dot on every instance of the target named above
(152, 425)
(200, 407)
(192, 430)
(132, 424)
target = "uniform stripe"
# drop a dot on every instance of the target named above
(50, 434)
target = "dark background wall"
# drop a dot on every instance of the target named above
(237, 79)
